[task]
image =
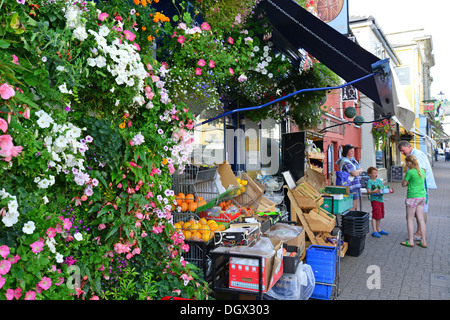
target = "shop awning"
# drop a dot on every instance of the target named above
(295, 28)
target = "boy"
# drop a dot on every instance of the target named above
(374, 186)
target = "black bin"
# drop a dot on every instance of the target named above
(355, 226)
(355, 244)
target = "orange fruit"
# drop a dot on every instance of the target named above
(184, 206)
(180, 198)
(177, 226)
(187, 235)
(192, 206)
(187, 226)
(220, 228)
(201, 203)
(196, 236)
(206, 236)
(198, 199)
(189, 198)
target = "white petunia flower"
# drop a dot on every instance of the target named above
(29, 227)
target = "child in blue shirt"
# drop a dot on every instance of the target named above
(374, 186)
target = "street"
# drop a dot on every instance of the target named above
(387, 270)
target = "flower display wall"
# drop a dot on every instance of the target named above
(96, 116)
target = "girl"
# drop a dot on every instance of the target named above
(415, 200)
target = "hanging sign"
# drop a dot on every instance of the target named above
(349, 93)
(428, 106)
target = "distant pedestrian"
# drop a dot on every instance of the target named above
(436, 154)
(406, 149)
(447, 153)
(348, 163)
(415, 200)
(375, 188)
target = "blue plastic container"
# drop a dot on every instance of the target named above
(322, 292)
(322, 260)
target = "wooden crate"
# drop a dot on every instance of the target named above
(306, 196)
(252, 195)
(321, 240)
(319, 220)
(265, 205)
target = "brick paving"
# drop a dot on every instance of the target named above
(404, 273)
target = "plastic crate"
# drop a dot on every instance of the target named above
(322, 292)
(356, 244)
(322, 260)
(337, 206)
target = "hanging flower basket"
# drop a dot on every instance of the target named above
(380, 130)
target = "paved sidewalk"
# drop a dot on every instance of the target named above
(405, 273)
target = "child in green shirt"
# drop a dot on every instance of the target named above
(374, 186)
(415, 200)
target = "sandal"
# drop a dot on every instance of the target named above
(406, 244)
(420, 244)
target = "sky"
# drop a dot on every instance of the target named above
(401, 15)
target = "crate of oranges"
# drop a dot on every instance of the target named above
(198, 229)
(189, 202)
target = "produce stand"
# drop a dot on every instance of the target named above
(236, 216)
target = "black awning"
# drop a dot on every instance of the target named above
(300, 29)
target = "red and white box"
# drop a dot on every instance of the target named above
(244, 272)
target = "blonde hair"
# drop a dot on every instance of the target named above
(415, 163)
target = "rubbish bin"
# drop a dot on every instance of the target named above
(355, 226)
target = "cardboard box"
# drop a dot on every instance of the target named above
(238, 234)
(227, 176)
(244, 272)
(298, 241)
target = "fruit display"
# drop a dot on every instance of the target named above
(188, 202)
(198, 230)
(242, 183)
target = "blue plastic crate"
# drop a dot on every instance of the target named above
(322, 260)
(322, 292)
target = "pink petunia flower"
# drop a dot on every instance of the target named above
(198, 71)
(129, 35)
(4, 251)
(205, 26)
(230, 40)
(7, 149)
(37, 245)
(5, 266)
(181, 39)
(3, 125)
(11, 294)
(102, 16)
(211, 64)
(201, 63)
(6, 91)
(30, 295)
(2, 281)
(45, 283)
(231, 70)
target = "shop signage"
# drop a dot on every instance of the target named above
(349, 93)
(428, 106)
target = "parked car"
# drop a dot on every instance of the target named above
(440, 151)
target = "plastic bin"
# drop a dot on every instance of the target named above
(322, 260)
(337, 206)
(356, 244)
(355, 223)
(322, 292)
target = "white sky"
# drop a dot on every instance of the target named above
(401, 15)
(432, 16)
